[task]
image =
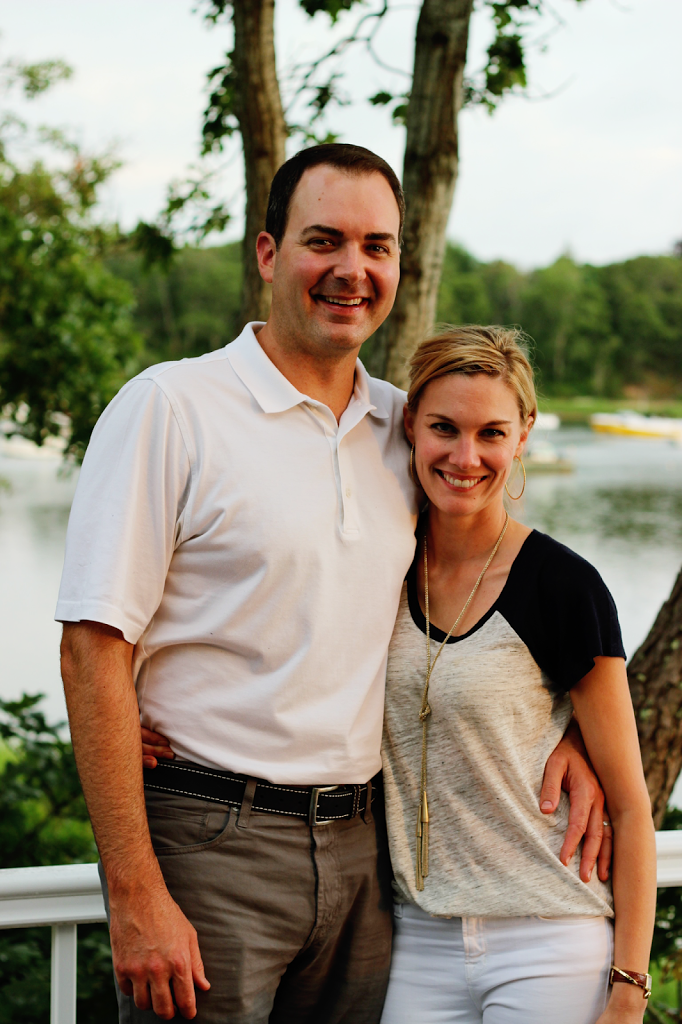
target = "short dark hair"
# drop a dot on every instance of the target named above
(351, 159)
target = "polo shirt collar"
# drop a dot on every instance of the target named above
(367, 390)
(271, 389)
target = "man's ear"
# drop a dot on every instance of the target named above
(408, 420)
(266, 251)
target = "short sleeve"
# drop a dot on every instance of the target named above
(580, 621)
(126, 518)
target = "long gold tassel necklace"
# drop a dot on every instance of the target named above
(422, 860)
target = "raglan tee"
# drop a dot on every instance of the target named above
(500, 704)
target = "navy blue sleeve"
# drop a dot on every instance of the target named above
(564, 612)
(580, 609)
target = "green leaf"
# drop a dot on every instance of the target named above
(380, 99)
(36, 79)
(220, 118)
(156, 246)
(331, 7)
(506, 67)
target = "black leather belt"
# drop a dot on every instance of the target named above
(318, 805)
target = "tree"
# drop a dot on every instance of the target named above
(246, 95)
(655, 676)
(246, 98)
(66, 338)
(429, 177)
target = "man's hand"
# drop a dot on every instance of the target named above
(154, 747)
(156, 954)
(569, 768)
(155, 950)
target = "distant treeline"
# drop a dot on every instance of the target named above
(595, 330)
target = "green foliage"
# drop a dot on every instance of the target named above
(331, 7)
(597, 330)
(67, 342)
(66, 337)
(190, 215)
(220, 118)
(506, 65)
(666, 950)
(667, 945)
(43, 820)
(34, 79)
(190, 309)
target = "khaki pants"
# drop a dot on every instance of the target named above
(294, 922)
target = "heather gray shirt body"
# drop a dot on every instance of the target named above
(500, 704)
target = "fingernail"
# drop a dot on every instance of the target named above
(546, 805)
(589, 876)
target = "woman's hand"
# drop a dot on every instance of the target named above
(154, 746)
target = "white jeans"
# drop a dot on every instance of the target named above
(476, 970)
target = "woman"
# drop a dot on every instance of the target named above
(490, 925)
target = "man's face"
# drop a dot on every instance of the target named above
(335, 275)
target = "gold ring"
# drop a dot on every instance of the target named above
(606, 823)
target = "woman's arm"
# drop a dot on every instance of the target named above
(604, 711)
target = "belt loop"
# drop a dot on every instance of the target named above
(247, 800)
(367, 813)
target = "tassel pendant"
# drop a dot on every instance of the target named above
(422, 858)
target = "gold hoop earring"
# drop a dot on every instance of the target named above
(515, 497)
(414, 479)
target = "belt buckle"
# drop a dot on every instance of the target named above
(314, 797)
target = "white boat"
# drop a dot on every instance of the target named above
(541, 456)
(634, 424)
(547, 421)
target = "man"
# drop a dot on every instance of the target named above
(236, 551)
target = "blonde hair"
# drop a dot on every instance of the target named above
(495, 351)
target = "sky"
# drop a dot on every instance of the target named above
(590, 163)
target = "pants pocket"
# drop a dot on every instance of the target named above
(179, 825)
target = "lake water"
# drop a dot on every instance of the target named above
(621, 508)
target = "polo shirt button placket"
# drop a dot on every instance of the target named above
(349, 526)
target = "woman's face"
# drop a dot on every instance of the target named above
(466, 431)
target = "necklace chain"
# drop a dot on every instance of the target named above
(422, 833)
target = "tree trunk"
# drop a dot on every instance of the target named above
(263, 129)
(429, 178)
(655, 676)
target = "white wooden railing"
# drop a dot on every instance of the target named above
(68, 895)
(62, 896)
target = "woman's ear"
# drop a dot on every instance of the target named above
(523, 440)
(408, 420)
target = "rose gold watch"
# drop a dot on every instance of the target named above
(642, 981)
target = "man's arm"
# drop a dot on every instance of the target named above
(569, 768)
(151, 939)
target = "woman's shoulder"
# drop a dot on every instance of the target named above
(560, 605)
(551, 564)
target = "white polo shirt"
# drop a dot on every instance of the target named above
(254, 551)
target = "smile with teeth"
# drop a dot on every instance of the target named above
(338, 300)
(463, 484)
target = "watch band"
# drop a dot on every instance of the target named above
(642, 981)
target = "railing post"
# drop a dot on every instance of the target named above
(63, 993)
